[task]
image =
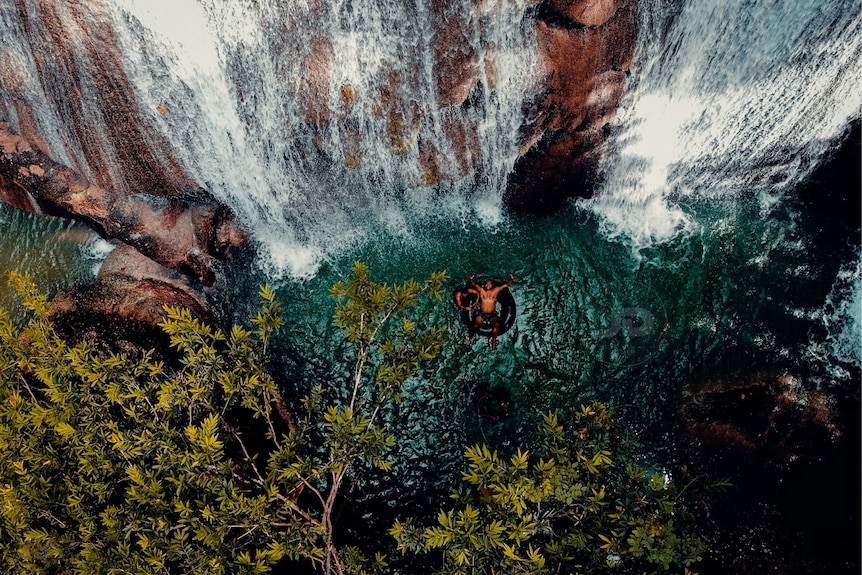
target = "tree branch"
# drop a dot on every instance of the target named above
(183, 233)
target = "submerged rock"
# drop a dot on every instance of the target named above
(769, 418)
(492, 403)
(791, 453)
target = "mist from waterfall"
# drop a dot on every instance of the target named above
(307, 117)
(728, 100)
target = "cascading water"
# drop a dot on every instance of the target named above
(316, 121)
(735, 99)
(328, 128)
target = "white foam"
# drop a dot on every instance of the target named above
(841, 318)
(739, 99)
(95, 250)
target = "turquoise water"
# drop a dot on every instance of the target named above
(55, 252)
(596, 322)
(749, 290)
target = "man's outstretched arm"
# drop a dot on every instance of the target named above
(501, 287)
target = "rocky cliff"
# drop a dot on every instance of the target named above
(108, 166)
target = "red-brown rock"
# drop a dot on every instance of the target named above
(586, 12)
(77, 57)
(584, 73)
(122, 308)
(186, 233)
(456, 61)
(316, 77)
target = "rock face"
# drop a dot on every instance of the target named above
(584, 52)
(586, 48)
(113, 170)
(77, 58)
(188, 232)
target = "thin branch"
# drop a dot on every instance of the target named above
(27, 387)
(244, 451)
(312, 488)
(363, 353)
(364, 348)
(282, 410)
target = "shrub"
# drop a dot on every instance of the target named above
(126, 464)
(570, 507)
(122, 464)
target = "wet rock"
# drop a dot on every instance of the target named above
(791, 452)
(585, 12)
(492, 403)
(77, 57)
(585, 69)
(189, 232)
(832, 192)
(316, 77)
(768, 418)
(456, 60)
(122, 308)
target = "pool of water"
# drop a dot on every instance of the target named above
(597, 321)
(755, 285)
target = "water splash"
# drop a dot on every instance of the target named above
(734, 99)
(841, 319)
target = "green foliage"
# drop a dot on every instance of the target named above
(567, 508)
(389, 350)
(125, 464)
(118, 464)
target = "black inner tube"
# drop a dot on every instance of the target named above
(506, 311)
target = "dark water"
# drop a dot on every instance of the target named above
(758, 283)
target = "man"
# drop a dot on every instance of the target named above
(485, 307)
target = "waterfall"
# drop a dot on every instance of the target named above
(323, 122)
(730, 99)
(318, 121)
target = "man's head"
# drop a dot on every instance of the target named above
(489, 284)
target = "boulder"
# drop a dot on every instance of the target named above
(121, 310)
(584, 72)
